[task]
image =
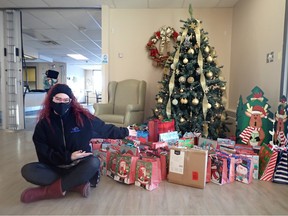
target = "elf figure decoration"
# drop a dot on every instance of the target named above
(191, 89)
(280, 135)
(252, 119)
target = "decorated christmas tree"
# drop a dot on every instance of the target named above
(192, 89)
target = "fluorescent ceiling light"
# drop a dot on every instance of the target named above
(77, 56)
(29, 57)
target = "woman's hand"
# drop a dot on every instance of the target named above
(79, 154)
(132, 131)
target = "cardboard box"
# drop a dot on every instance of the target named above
(188, 167)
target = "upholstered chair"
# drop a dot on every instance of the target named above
(126, 103)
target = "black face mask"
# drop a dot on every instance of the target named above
(60, 108)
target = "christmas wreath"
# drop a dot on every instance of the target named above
(164, 35)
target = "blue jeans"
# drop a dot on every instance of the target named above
(42, 174)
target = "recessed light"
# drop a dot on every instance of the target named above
(77, 56)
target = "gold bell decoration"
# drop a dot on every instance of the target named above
(185, 60)
(223, 88)
(209, 106)
(217, 105)
(181, 90)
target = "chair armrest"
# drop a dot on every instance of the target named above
(134, 108)
(102, 108)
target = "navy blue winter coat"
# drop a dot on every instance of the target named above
(56, 142)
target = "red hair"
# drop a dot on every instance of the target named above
(76, 108)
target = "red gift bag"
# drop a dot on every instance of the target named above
(125, 168)
(219, 169)
(270, 168)
(264, 157)
(148, 173)
(156, 126)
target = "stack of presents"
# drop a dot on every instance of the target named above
(157, 153)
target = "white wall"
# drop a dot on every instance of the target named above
(258, 28)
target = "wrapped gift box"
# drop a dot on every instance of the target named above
(188, 167)
(156, 127)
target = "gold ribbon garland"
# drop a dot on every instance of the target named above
(202, 76)
(172, 79)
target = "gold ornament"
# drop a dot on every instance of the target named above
(182, 79)
(191, 51)
(209, 106)
(185, 61)
(207, 49)
(209, 59)
(179, 38)
(160, 100)
(217, 105)
(177, 71)
(209, 74)
(172, 66)
(181, 90)
(184, 100)
(182, 119)
(156, 110)
(190, 80)
(223, 88)
(195, 101)
(198, 70)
